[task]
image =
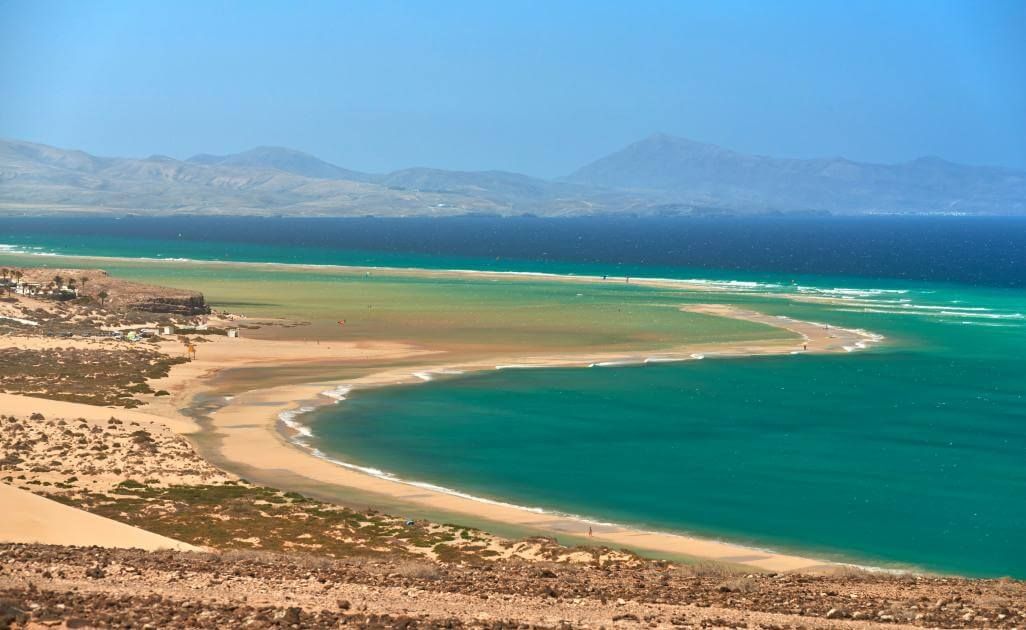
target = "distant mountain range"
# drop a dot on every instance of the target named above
(659, 175)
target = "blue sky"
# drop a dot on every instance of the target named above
(540, 88)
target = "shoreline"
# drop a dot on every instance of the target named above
(258, 431)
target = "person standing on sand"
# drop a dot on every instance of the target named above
(590, 534)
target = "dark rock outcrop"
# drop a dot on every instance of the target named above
(185, 305)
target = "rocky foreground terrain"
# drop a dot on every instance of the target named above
(92, 587)
(283, 560)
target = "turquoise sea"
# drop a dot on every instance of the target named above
(912, 454)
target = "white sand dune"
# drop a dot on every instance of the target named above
(30, 518)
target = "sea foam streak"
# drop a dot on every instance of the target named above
(428, 375)
(843, 292)
(934, 313)
(338, 393)
(288, 418)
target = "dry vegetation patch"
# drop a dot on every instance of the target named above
(95, 376)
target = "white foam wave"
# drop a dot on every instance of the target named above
(985, 315)
(906, 304)
(933, 313)
(289, 419)
(846, 292)
(931, 307)
(743, 285)
(663, 360)
(429, 375)
(338, 393)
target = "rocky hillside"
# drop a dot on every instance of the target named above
(117, 294)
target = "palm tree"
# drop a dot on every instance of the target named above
(82, 282)
(5, 272)
(103, 297)
(58, 281)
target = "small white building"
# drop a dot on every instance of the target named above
(168, 330)
(233, 333)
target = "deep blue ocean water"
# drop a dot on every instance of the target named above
(981, 251)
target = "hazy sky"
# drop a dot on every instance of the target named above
(540, 88)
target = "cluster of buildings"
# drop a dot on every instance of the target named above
(138, 334)
(14, 284)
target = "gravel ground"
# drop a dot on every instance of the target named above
(126, 588)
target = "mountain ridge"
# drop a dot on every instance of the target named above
(660, 174)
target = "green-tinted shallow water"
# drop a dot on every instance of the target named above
(910, 454)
